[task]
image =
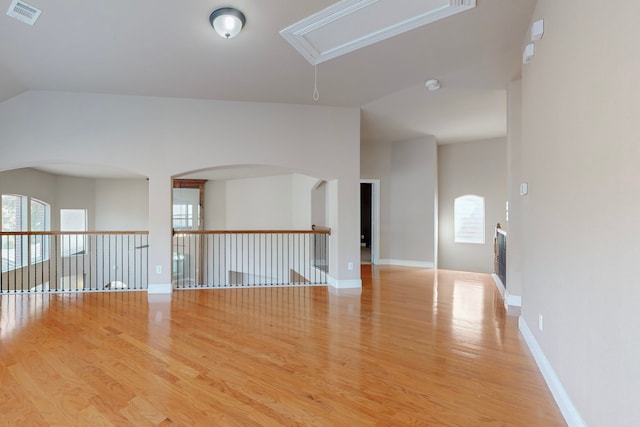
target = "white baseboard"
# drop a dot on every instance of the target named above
(344, 284)
(406, 263)
(513, 300)
(160, 288)
(499, 285)
(569, 411)
(509, 300)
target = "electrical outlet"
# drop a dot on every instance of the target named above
(350, 266)
(540, 321)
(158, 269)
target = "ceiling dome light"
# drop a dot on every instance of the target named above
(227, 21)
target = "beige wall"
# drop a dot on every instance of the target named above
(412, 211)
(514, 179)
(163, 137)
(122, 204)
(375, 163)
(407, 172)
(581, 156)
(111, 204)
(279, 202)
(478, 168)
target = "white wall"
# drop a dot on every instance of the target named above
(29, 182)
(514, 170)
(111, 204)
(121, 204)
(319, 204)
(375, 163)
(407, 171)
(301, 187)
(75, 193)
(259, 203)
(145, 135)
(412, 211)
(580, 156)
(478, 168)
(60, 192)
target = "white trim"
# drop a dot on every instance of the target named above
(509, 300)
(406, 263)
(569, 411)
(344, 284)
(160, 288)
(499, 285)
(513, 300)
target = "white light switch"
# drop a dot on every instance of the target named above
(537, 30)
(524, 189)
(529, 53)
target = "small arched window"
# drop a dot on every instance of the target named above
(468, 214)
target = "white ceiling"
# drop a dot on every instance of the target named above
(168, 48)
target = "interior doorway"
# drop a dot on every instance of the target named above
(369, 220)
(188, 215)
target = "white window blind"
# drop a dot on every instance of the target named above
(469, 219)
(18, 251)
(73, 220)
(40, 221)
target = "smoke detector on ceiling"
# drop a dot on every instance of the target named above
(432, 84)
(23, 12)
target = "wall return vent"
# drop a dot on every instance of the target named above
(23, 12)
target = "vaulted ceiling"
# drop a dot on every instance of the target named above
(168, 48)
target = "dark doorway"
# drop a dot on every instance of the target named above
(365, 214)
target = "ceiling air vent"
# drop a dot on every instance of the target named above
(23, 12)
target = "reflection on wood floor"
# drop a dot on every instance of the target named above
(416, 347)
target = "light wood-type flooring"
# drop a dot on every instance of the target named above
(416, 347)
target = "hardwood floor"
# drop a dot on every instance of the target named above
(412, 349)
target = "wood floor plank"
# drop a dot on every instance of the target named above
(415, 347)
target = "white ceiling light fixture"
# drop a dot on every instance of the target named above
(353, 24)
(432, 84)
(227, 21)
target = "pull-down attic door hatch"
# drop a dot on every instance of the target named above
(353, 24)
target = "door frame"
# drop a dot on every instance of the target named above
(375, 218)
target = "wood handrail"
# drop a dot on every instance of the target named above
(66, 233)
(327, 230)
(317, 231)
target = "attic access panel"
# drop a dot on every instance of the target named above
(353, 24)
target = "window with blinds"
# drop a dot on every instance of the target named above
(40, 221)
(469, 221)
(73, 220)
(21, 213)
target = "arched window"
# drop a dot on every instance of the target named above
(468, 215)
(40, 221)
(21, 213)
